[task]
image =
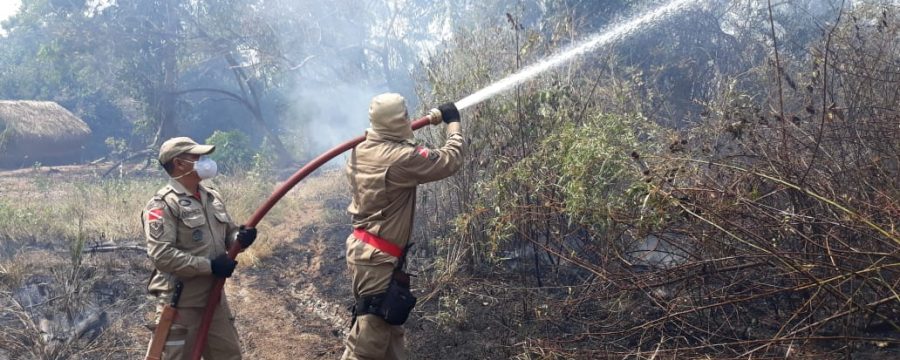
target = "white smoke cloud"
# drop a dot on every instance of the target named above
(330, 115)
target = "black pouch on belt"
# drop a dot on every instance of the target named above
(395, 304)
(398, 300)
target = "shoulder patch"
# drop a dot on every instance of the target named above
(155, 219)
(423, 151)
(427, 153)
(155, 215)
(156, 229)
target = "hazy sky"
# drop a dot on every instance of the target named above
(8, 8)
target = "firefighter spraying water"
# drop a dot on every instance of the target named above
(384, 171)
(375, 248)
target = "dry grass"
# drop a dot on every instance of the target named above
(245, 194)
(50, 207)
(48, 216)
(46, 206)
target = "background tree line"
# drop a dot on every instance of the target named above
(141, 72)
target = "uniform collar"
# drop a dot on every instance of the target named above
(180, 190)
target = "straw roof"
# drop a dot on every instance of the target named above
(40, 131)
(41, 120)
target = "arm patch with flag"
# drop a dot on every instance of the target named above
(427, 153)
(155, 222)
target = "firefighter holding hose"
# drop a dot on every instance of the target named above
(384, 171)
(188, 232)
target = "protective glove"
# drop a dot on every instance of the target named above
(222, 266)
(246, 236)
(449, 112)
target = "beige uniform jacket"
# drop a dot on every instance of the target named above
(384, 173)
(183, 233)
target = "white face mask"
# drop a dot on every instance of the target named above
(205, 167)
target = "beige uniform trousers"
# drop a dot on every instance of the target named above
(222, 342)
(371, 338)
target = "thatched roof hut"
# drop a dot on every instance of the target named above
(39, 131)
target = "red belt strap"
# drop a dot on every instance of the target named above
(378, 243)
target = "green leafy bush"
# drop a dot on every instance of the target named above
(117, 147)
(582, 171)
(233, 150)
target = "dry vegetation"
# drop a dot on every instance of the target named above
(73, 268)
(730, 205)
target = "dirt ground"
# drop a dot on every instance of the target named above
(289, 306)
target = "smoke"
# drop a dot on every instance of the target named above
(342, 54)
(329, 115)
(8, 8)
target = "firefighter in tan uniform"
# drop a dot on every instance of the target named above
(384, 171)
(188, 233)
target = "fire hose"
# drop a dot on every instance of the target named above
(433, 118)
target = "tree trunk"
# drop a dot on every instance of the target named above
(251, 97)
(165, 106)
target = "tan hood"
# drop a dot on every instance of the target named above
(388, 116)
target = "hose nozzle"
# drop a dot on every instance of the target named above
(435, 117)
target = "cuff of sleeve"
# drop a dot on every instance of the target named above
(205, 266)
(454, 128)
(230, 239)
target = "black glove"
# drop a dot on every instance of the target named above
(222, 266)
(449, 112)
(246, 236)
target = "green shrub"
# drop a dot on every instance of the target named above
(597, 176)
(116, 146)
(233, 150)
(584, 171)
